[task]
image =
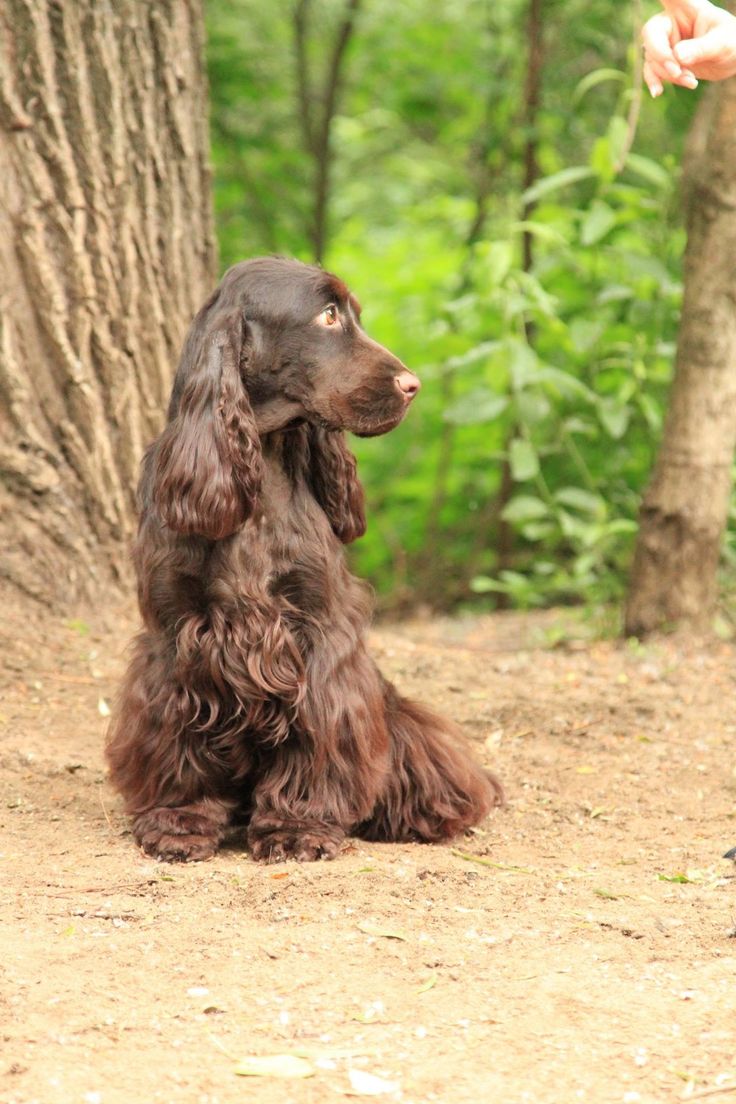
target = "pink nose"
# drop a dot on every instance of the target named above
(407, 383)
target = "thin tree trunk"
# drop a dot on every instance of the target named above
(317, 110)
(684, 512)
(106, 249)
(532, 106)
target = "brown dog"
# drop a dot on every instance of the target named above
(251, 696)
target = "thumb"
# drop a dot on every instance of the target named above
(705, 48)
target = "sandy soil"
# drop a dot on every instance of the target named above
(580, 947)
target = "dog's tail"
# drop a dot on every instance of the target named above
(435, 788)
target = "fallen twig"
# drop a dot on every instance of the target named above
(488, 862)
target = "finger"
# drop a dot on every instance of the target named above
(659, 35)
(652, 81)
(686, 79)
(656, 76)
(663, 72)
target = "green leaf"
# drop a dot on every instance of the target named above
(614, 293)
(584, 426)
(599, 219)
(473, 356)
(565, 382)
(618, 136)
(499, 259)
(523, 363)
(601, 162)
(533, 407)
(622, 525)
(585, 333)
(537, 531)
(539, 230)
(608, 151)
(553, 183)
(649, 170)
(523, 460)
(534, 295)
(583, 564)
(580, 499)
(476, 407)
(525, 508)
(592, 80)
(481, 584)
(651, 411)
(614, 417)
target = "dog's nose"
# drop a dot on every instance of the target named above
(407, 383)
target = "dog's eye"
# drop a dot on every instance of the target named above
(329, 316)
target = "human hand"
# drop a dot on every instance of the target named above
(691, 40)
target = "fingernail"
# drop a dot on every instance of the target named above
(689, 79)
(655, 90)
(685, 53)
(673, 68)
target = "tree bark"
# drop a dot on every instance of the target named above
(106, 250)
(684, 512)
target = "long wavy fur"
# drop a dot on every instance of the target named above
(208, 459)
(333, 473)
(250, 696)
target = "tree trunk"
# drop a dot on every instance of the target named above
(318, 103)
(106, 250)
(533, 82)
(684, 513)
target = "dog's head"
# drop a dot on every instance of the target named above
(307, 352)
(278, 343)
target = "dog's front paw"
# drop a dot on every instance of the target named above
(177, 835)
(272, 843)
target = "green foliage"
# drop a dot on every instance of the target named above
(517, 474)
(584, 400)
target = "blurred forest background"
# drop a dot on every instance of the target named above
(505, 202)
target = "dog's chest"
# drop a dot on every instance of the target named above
(306, 568)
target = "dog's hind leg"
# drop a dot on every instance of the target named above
(434, 789)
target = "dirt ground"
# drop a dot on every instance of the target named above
(579, 947)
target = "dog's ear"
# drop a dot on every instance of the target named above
(207, 468)
(334, 478)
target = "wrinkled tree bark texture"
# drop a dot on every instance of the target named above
(106, 251)
(684, 512)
